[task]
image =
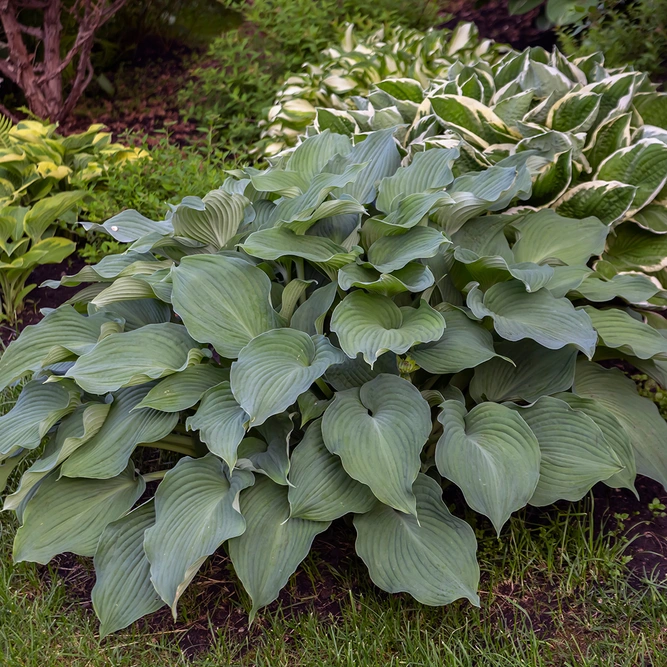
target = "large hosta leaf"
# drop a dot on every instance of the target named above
(633, 287)
(517, 314)
(373, 324)
(390, 253)
(123, 591)
(107, 452)
(136, 357)
(223, 301)
(491, 454)
(414, 277)
(632, 248)
(196, 510)
(639, 416)
(309, 316)
(464, 344)
(610, 201)
(356, 372)
(320, 489)
(71, 514)
(274, 368)
(432, 557)
(273, 544)
(575, 454)
(378, 432)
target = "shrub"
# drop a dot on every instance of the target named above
(353, 67)
(43, 180)
(371, 318)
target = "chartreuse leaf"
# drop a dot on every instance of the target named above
(182, 390)
(213, 220)
(46, 211)
(621, 331)
(413, 277)
(223, 300)
(614, 434)
(277, 366)
(525, 371)
(610, 201)
(221, 422)
(378, 432)
(273, 544)
(71, 514)
(123, 591)
(545, 235)
(390, 253)
(37, 409)
(517, 314)
(60, 334)
(575, 454)
(196, 510)
(638, 416)
(632, 248)
(309, 316)
(373, 324)
(432, 557)
(464, 344)
(123, 359)
(320, 489)
(106, 454)
(491, 454)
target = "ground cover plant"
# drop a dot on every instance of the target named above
(44, 179)
(416, 295)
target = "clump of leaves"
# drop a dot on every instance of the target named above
(43, 180)
(374, 316)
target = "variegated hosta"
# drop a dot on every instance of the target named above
(343, 333)
(357, 63)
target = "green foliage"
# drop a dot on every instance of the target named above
(414, 296)
(243, 68)
(43, 181)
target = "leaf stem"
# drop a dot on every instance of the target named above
(180, 444)
(154, 476)
(324, 388)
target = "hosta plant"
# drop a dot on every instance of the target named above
(43, 180)
(372, 318)
(360, 61)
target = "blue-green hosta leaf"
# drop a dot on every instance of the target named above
(310, 156)
(311, 407)
(413, 277)
(410, 211)
(130, 225)
(213, 220)
(124, 359)
(378, 432)
(488, 271)
(485, 236)
(196, 510)
(356, 372)
(309, 316)
(609, 201)
(373, 324)
(8, 465)
(60, 334)
(491, 454)
(632, 287)
(290, 296)
(639, 416)
(280, 242)
(393, 252)
(273, 544)
(574, 112)
(37, 409)
(124, 289)
(464, 344)
(106, 454)
(221, 422)
(277, 366)
(567, 278)
(429, 171)
(223, 301)
(618, 330)
(644, 165)
(632, 248)
(480, 124)
(73, 432)
(575, 454)
(137, 313)
(269, 455)
(432, 557)
(123, 591)
(517, 314)
(181, 391)
(320, 489)
(71, 514)
(614, 434)
(526, 371)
